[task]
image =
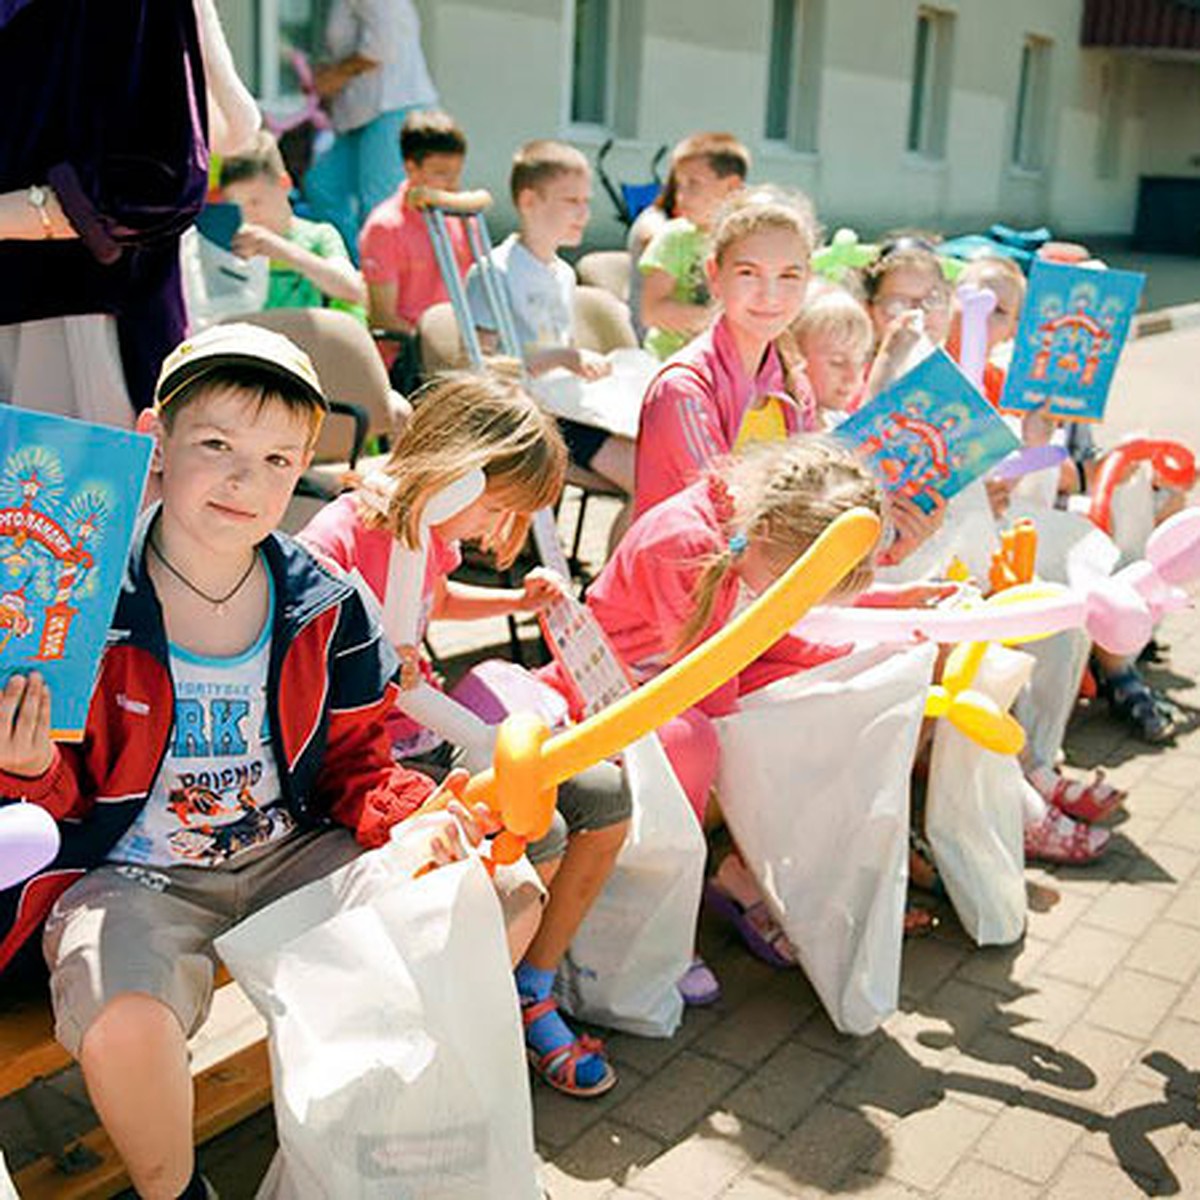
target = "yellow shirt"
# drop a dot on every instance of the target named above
(764, 422)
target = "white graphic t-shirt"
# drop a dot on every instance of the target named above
(540, 294)
(217, 792)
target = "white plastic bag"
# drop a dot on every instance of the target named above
(973, 815)
(396, 1048)
(1133, 513)
(814, 785)
(217, 284)
(638, 938)
(7, 1191)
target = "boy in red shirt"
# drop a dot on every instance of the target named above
(397, 256)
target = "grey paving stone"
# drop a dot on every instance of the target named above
(825, 1148)
(927, 1146)
(674, 1099)
(596, 1163)
(978, 1181)
(1024, 1142)
(780, 1091)
(1132, 1003)
(1126, 908)
(702, 1165)
(754, 1029)
(1087, 956)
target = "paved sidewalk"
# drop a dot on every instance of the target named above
(1067, 1066)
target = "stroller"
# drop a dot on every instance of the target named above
(629, 199)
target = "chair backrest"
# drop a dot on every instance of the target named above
(602, 322)
(348, 362)
(607, 269)
(441, 343)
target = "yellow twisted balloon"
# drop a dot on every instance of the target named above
(529, 765)
(970, 711)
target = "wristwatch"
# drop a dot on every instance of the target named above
(39, 198)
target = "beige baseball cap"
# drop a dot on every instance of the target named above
(237, 344)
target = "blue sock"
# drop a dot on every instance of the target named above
(550, 1031)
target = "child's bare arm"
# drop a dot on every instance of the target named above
(663, 312)
(381, 308)
(337, 278)
(455, 601)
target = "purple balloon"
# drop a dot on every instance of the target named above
(28, 841)
(1030, 458)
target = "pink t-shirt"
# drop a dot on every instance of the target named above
(646, 593)
(339, 533)
(395, 248)
(694, 408)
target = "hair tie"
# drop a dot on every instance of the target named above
(737, 544)
(722, 501)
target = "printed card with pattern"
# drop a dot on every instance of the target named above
(69, 496)
(930, 431)
(593, 671)
(1073, 325)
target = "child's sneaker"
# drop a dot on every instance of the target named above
(1132, 699)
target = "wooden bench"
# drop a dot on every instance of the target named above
(230, 1069)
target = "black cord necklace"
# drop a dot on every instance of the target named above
(218, 602)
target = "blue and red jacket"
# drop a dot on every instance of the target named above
(330, 684)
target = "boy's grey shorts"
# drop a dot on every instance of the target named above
(142, 929)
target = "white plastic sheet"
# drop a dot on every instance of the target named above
(637, 941)
(396, 1048)
(973, 815)
(814, 785)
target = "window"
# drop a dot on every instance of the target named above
(263, 34)
(605, 63)
(1032, 89)
(793, 75)
(929, 101)
(1114, 91)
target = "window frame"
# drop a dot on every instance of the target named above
(801, 76)
(930, 85)
(1027, 149)
(622, 73)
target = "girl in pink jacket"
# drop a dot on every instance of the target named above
(686, 567)
(729, 386)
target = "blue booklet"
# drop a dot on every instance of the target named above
(69, 496)
(1073, 325)
(930, 431)
(218, 222)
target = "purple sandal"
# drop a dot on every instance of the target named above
(698, 985)
(757, 928)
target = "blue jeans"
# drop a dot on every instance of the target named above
(362, 168)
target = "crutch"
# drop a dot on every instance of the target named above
(437, 207)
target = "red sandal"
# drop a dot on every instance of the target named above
(557, 1067)
(1059, 840)
(1096, 800)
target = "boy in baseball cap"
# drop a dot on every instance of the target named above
(235, 746)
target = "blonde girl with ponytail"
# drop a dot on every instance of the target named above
(684, 569)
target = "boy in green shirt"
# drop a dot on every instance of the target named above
(309, 264)
(707, 169)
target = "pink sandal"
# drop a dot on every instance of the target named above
(1094, 801)
(557, 1067)
(1058, 839)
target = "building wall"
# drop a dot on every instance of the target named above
(503, 67)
